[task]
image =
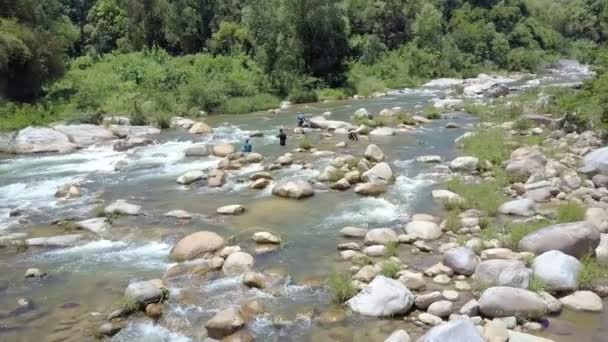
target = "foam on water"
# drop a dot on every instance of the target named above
(150, 255)
(406, 189)
(368, 210)
(148, 332)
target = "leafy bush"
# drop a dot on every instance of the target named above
(162, 121)
(522, 124)
(373, 122)
(302, 96)
(333, 94)
(138, 118)
(341, 287)
(249, 104)
(406, 119)
(432, 113)
(570, 211)
(390, 269)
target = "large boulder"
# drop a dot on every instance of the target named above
(499, 272)
(55, 241)
(371, 188)
(596, 161)
(223, 149)
(496, 90)
(447, 196)
(398, 336)
(424, 230)
(461, 260)
(382, 297)
(297, 189)
(374, 153)
(127, 144)
(504, 301)
(464, 164)
(383, 132)
(97, 225)
(238, 263)
(39, 140)
(322, 123)
(362, 113)
(558, 271)
(380, 236)
(233, 209)
(85, 134)
(521, 207)
(598, 217)
(127, 131)
(576, 238)
(381, 172)
(216, 178)
(224, 323)
(143, 292)
(196, 245)
(525, 161)
(461, 329)
(122, 207)
(200, 128)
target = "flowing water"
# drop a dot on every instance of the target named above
(86, 282)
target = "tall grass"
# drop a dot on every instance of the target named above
(341, 287)
(518, 231)
(570, 211)
(591, 272)
(390, 269)
(486, 195)
(487, 144)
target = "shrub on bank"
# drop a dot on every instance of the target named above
(249, 104)
(341, 287)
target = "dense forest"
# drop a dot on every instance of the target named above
(74, 59)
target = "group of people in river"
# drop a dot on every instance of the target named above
(302, 123)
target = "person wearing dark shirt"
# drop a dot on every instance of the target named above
(282, 137)
(247, 148)
(301, 120)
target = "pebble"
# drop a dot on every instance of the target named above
(462, 285)
(442, 279)
(450, 295)
(34, 273)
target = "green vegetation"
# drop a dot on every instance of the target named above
(452, 221)
(477, 145)
(71, 60)
(522, 124)
(432, 113)
(536, 284)
(570, 211)
(392, 249)
(406, 119)
(591, 272)
(390, 269)
(341, 287)
(518, 231)
(129, 305)
(485, 195)
(306, 144)
(373, 122)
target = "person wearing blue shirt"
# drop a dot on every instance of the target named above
(247, 148)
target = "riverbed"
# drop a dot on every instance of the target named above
(86, 282)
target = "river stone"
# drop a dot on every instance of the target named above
(216, 178)
(429, 319)
(464, 164)
(122, 207)
(498, 272)
(596, 161)
(447, 196)
(382, 297)
(517, 336)
(200, 128)
(576, 238)
(398, 336)
(196, 245)
(522, 207)
(381, 172)
(442, 308)
(143, 292)
(470, 308)
(371, 188)
(266, 237)
(429, 159)
(238, 263)
(293, 189)
(126, 131)
(383, 132)
(375, 251)
(461, 260)
(502, 301)
(197, 150)
(55, 241)
(423, 301)
(39, 140)
(261, 183)
(34, 273)
(374, 153)
(461, 329)
(254, 279)
(583, 301)
(85, 134)
(363, 113)
(353, 232)
(540, 195)
(124, 145)
(424, 230)
(600, 181)
(601, 252)
(222, 149)
(190, 177)
(179, 122)
(224, 323)
(342, 184)
(366, 274)
(233, 209)
(109, 329)
(380, 236)
(496, 331)
(413, 281)
(557, 270)
(598, 217)
(96, 225)
(179, 214)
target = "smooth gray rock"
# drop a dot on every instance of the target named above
(557, 270)
(293, 189)
(382, 297)
(398, 336)
(461, 260)
(85, 134)
(576, 238)
(40, 140)
(522, 207)
(503, 301)
(143, 292)
(596, 161)
(461, 329)
(499, 272)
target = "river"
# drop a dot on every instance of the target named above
(86, 281)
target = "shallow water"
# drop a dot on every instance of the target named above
(86, 282)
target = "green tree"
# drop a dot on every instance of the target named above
(428, 28)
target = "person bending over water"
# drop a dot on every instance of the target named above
(247, 148)
(353, 135)
(282, 137)
(301, 120)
